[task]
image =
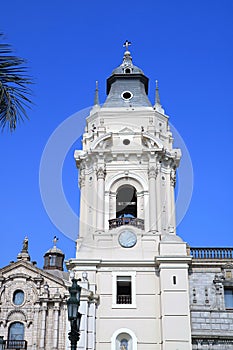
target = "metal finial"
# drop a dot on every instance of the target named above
(55, 239)
(96, 101)
(127, 44)
(158, 106)
(157, 97)
(127, 59)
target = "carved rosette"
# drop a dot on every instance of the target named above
(152, 173)
(100, 173)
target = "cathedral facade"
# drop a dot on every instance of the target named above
(143, 287)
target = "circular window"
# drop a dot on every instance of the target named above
(126, 142)
(126, 95)
(18, 297)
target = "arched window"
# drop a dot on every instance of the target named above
(126, 202)
(16, 335)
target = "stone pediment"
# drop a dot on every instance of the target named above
(27, 271)
(126, 130)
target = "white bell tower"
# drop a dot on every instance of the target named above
(137, 266)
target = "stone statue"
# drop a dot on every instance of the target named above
(25, 245)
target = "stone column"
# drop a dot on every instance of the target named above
(172, 196)
(92, 325)
(43, 325)
(100, 195)
(55, 325)
(35, 323)
(152, 198)
(112, 205)
(158, 199)
(82, 202)
(168, 199)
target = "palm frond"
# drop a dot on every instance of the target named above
(14, 88)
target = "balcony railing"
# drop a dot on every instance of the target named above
(139, 223)
(15, 344)
(211, 253)
(124, 299)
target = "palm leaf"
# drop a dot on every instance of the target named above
(14, 88)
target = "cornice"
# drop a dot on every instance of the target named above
(77, 264)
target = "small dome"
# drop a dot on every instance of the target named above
(54, 257)
(53, 250)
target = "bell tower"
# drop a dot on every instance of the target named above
(127, 240)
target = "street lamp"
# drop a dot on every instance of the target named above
(73, 315)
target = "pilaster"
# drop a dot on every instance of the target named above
(172, 266)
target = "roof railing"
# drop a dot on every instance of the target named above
(211, 253)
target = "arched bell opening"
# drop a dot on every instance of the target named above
(126, 202)
(126, 208)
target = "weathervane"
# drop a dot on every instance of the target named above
(127, 44)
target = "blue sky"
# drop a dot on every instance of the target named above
(186, 45)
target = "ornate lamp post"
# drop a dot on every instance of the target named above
(73, 315)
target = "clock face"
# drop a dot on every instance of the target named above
(127, 239)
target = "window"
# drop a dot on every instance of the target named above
(52, 260)
(228, 297)
(124, 289)
(18, 297)
(126, 95)
(16, 336)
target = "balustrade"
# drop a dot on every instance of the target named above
(15, 344)
(139, 223)
(124, 299)
(211, 253)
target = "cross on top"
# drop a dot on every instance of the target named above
(55, 239)
(127, 44)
